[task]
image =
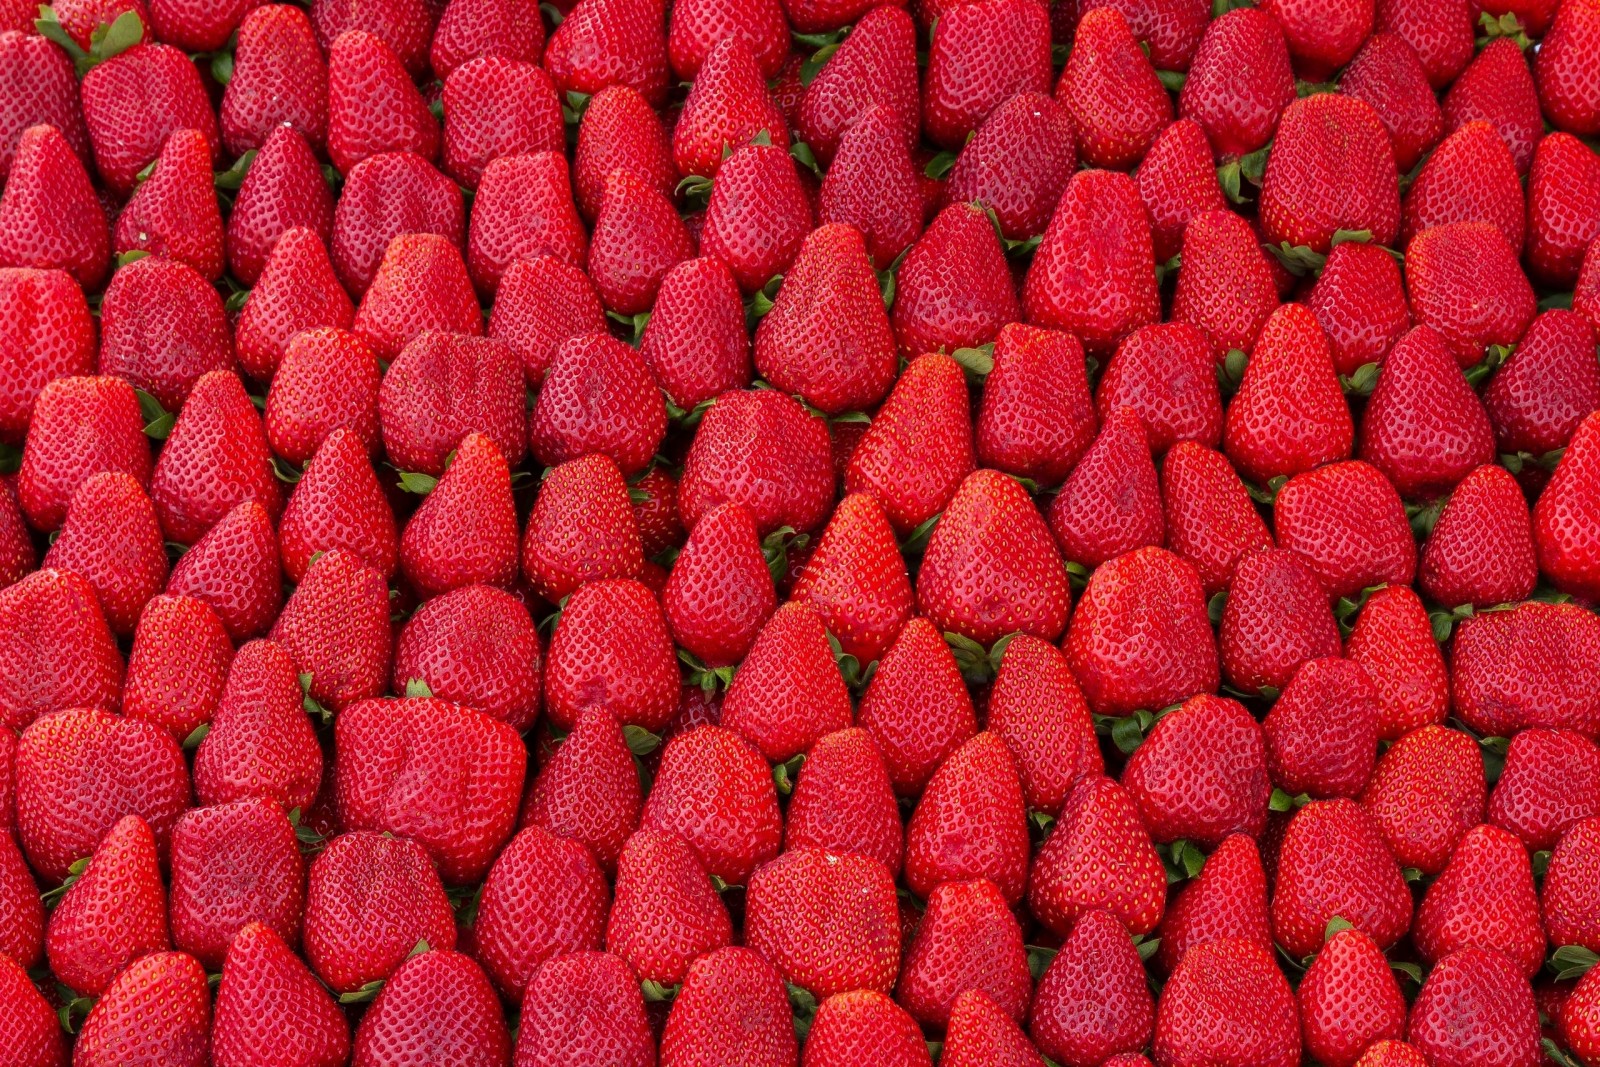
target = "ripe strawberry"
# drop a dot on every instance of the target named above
(336, 626)
(420, 287)
(828, 922)
(1387, 74)
(41, 90)
(1201, 775)
(1105, 65)
(1484, 898)
(732, 1008)
(283, 189)
(611, 649)
(1393, 642)
(111, 538)
(720, 591)
(1563, 70)
(178, 665)
(1177, 182)
(1017, 163)
(405, 25)
(373, 106)
(695, 342)
(18, 558)
(1326, 513)
(1360, 304)
(873, 186)
(115, 912)
(327, 382)
(260, 742)
(495, 107)
(992, 537)
(582, 1006)
(598, 398)
(916, 708)
(954, 287)
(81, 427)
(465, 530)
(443, 387)
(1471, 177)
(1110, 503)
(268, 1000)
(234, 865)
(215, 459)
(235, 569)
(389, 195)
(33, 1033)
(638, 237)
(1334, 862)
(542, 302)
(1225, 286)
(1093, 1000)
(174, 214)
(1475, 1007)
(1322, 733)
(970, 822)
(1525, 667)
(22, 938)
(698, 26)
(338, 503)
(581, 529)
(918, 449)
(728, 105)
(966, 941)
(50, 217)
(1498, 88)
(1098, 856)
(1349, 1000)
(1332, 168)
(1562, 524)
(1481, 550)
(762, 449)
(474, 646)
(1570, 915)
(1277, 617)
(1094, 272)
(1140, 637)
(1210, 519)
(162, 326)
(1322, 38)
(1577, 1022)
(714, 789)
(196, 27)
(1440, 33)
(1227, 1002)
(1239, 114)
(981, 1034)
(297, 293)
(471, 29)
(56, 650)
(788, 692)
(876, 64)
(1036, 418)
(962, 85)
(1551, 782)
(666, 912)
(852, 1026)
(611, 42)
(1426, 792)
(133, 101)
(758, 215)
(279, 80)
(589, 790)
(619, 130)
(158, 1010)
(45, 334)
(1227, 900)
(856, 580)
(1563, 198)
(844, 801)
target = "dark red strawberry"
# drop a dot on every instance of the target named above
(1098, 856)
(1332, 168)
(1551, 782)
(1017, 164)
(235, 569)
(271, 1009)
(496, 107)
(1277, 617)
(876, 64)
(1349, 1000)
(298, 294)
(583, 1005)
(611, 42)
(336, 627)
(389, 195)
(1563, 517)
(261, 742)
(1426, 792)
(1239, 114)
(1476, 1007)
(599, 398)
(115, 912)
(1326, 513)
(174, 212)
(1093, 1000)
(1334, 864)
(619, 129)
(666, 912)
(963, 85)
(542, 302)
(112, 539)
(178, 665)
(234, 865)
(56, 649)
(1543, 392)
(1569, 913)
(581, 529)
(1563, 198)
(443, 387)
(844, 802)
(733, 1006)
(1322, 733)
(279, 80)
(373, 106)
(1225, 286)
(421, 286)
(758, 215)
(475, 646)
(1036, 418)
(611, 649)
(1387, 74)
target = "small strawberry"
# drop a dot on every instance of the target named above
(1563, 199)
(611, 42)
(720, 592)
(298, 293)
(850, 1027)
(1017, 163)
(917, 708)
(215, 459)
(1334, 864)
(581, 529)
(788, 692)
(235, 568)
(386, 196)
(271, 1009)
(970, 822)
(1498, 88)
(1470, 177)
(158, 1010)
(758, 215)
(619, 129)
(336, 626)
(1322, 733)
(1393, 641)
(50, 217)
(1562, 519)
(1484, 898)
(542, 302)
(582, 1006)
(260, 742)
(1387, 74)
(732, 1008)
(599, 398)
(981, 1034)
(1098, 856)
(829, 923)
(1239, 114)
(589, 791)
(1110, 503)
(638, 237)
(81, 426)
(876, 64)
(1528, 666)
(1426, 792)
(162, 326)
(475, 646)
(443, 387)
(1093, 1000)
(280, 79)
(1177, 182)
(112, 539)
(33, 1033)
(470, 29)
(1225, 286)
(728, 106)
(1036, 417)
(1563, 70)
(133, 101)
(178, 665)
(1106, 65)
(962, 85)
(1227, 900)
(873, 186)
(611, 649)
(174, 213)
(56, 649)
(715, 790)
(1324, 514)
(666, 912)
(1332, 168)
(495, 107)
(115, 912)
(373, 106)
(1360, 304)
(234, 865)
(1551, 782)
(1481, 550)
(1349, 1000)
(856, 580)
(1541, 395)
(762, 449)
(1475, 1007)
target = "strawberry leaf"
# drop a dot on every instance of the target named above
(417, 482)
(1147, 946)
(233, 177)
(50, 28)
(785, 774)
(197, 735)
(362, 995)
(416, 687)
(641, 742)
(1039, 959)
(977, 362)
(1337, 924)
(107, 42)
(1572, 961)
(1172, 80)
(939, 166)
(803, 1003)
(1230, 372)
(656, 993)
(1362, 381)
(801, 153)
(157, 419)
(916, 541)
(1298, 260)
(1283, 802)
(816, 61)
(1555, 1053)
(74, 872)
(1216, 605)
(72, 1013)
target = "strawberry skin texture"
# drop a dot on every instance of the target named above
(581, 1007)
(1201, 775)
(32, 1033)
(1550, 783)
(113, 914)
(1568, 553)
(1425, 793)
(1334, 862)
(232, 866)
(1239, 114)
(1227, 1003)
(1476, 1008)
(733, 1007)
(45, 334)
(156, 1011)
(1349, 1000)
(1099, 857)
(1526, 667)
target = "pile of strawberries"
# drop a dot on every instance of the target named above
(800, 533)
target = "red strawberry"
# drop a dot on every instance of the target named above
(714, 789)
(611, 42)
(115, 912)
(1093, 1000)
(1098, 856)
(732, 1007)
(1201, 774)
(232, 866)
(1036, 418)
(1481, 550)
(954, 289)
(1325, 513)
(215, 459)
(162, 326)
(917, 708)
(1106, 65)
(1227, 900)
(1484, 898)
(45, 334)
(873, 187)
(470, 29)
(1239, 114)
(156, 1011)
(844, 801)
(582, 529)
(298, 293)
(876, 64)
(598, 398)
(1177, 182)
(1225, 286)
(1562, 519)
(666, 912)
(1529, 666)
(855, 1025)
(133, 101)
(1349, 1000)
(1476, 1008)
(1322, 733)
(235, 569)
(758, 215)
(56, 650)
(41, 90)
(1569, 911)
(112, 539)
(443, 387)
(589, 791)
(637, 238)
(619, 129)
(856, 580)
(22, 939)
(465, 530)
(981, 1034)
(1334, 863)
(1360, 305)
(33, 1033)
(545, 895)
(1389, 77)
(1426, 792)
(817, 16)
(970, 822)
(405, 25)
(582, 1006)
(1497, 88)
(918, 449)
(720, 591)
(327, 382)
(1332, 168)
(728, 106)
(260, 742)
(50, 217)
(1564, 68)
(1112, 644)
(1470, 177)
(268, 1000)
(279, 80)
(1036, 707)
(698, 26)
(373, 106)
(338, 503)
(788, 692)
(695, 343)
(963, 86)
(828, 922)
(196, 27)
(1550, 783)
(496, 107)
(475, 646)
(1094, 273)
(762, 449)
(966, 941)
(386, 196)
(178, 665)
(1563, 199)
(1110, 503)
(1276, 618)
(1440, 33)
(1322, 38)
(336, 626)
(1577, 1022)
(611, 649)
(1393, 642)
(18, 558)
(174, 213)
(421, 286)
(542, 302)
(1017, 164)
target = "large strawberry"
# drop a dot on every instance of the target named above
(111, 539)
(178, 665)
(115, 912)
(1476, 1008)
(158, 1010)
(666, 912)
(970, 822)
(1210, 520)
(611, 42)
(271, 1009)
(844, 801)
(133, 101)
(764, 450)
(1017, 163)
(495, 107)
(1325, 514)
(297, 292)
(876, 64)
(49, 215)
(732, 1008)
(1322, 733)
(917, 708)
(45, 333)
(966, 940)
(852, 1026)
(1098, 856)
(1276, 617)
(1118, 104)
(1528, 666)
(1541, 395)
(373, 106)
(260, 743)
(57, 649)
(326, 383)
(1225, 286)
(1227, 1002)
(1349, 999)
(215, 459)
(1110, 503)
(1239, 113)
(581, 1006)
(1227, 900)
(1201, 775)
(620, 129)
(1426, 792)
(611, 648)
(523, 209)
(1389, 76)
(1563, 70)
(1334, 863)
(1093, 999)
(963, 85)
(162, 327)
(1332, 168)
(1470, 177)
(788, 692)
(856, 580)
(336, 626)
(1036, 417)
(1481, 550)
(1360, 304)
(475, 646)
(233, 865)
(598, 398)
(758, 215)
(235, 568)
(280, 80)
(1551, 781)
(81, 426)
(714, 789)
(589, 789)
(1484, 898)
(1498, 88)
(543, 301)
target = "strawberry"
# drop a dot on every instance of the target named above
(1105, 65)
(50, 217)
(598, 398)
(876, 64)
(1239, 114)
(1140, 637)
(1426, 792)
(720, 592)
(1093, 1001)
(174, 213)
(966, 941)
(475, 646)
(1577, 1022)
(541, 302)
(666, 912)
(1561, 524)
(852, 1026)
(215, 459)
(758, 215)
(1551, 782)
(260, 742)
(297, 293)
(57, 651)
(788, 692)
(582, 1006)
(1484, 898)
(611, 649)
(728, 106)
(916, 708)
(178, 666)
(1110, 503)
(232, 866)
(818, 16)
(1498, 88)
(41, 90)
(1570, 916)
(338, 503)
(1201, 775)
(1017, 163)
(1098, 856)
(1387, 74)
(389, 195)
(80, 772)
(1525, 667)
(732, 1008)
(619, 129)
(1563, 70)
(637, 238)
(981, 1034)
(828, 922)
(1227, 900)
(611, 42)
(1475, 1008)
(990, 567)
(856, 580)
(582, 529)
(918, 449)
(22, 939)
(844, 802)
(115, 912)
(33, 1033)
(1470, 177)
(1541, 395)
(327, 382)
(336, 627)
(970, 822)
(496, 107)
(1326, 513)
(954, 288)
(1177, 182)
(471, 29)
(1276, 618)
(279, 80)
(1210, 520)
(235, 568)
(1332, 168)
(873, 186)
(18, 558)
(443, 387)
(1094, 272)
(196, 27)
(1036, 418)
(405, 25)
(133, 101)
(111, 538)
(589, 790)
(1322, 38)
(1227, 1002)
(963, 86)
(1225, 286)
(1322, 733)
(762, 449)
(158, 1010)
(283, 190)
(1440, 33)
(1393, 642)
(45, 334)
(162, 327)
(1360, 304)
(421, 287)
(1481, 551)
(695, 342)
(373, 106)
(267, 999)
(714, 789)
(698, 26)
(1334, 863)
(1349, 1000)
(1563, 197)
(465, 530)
